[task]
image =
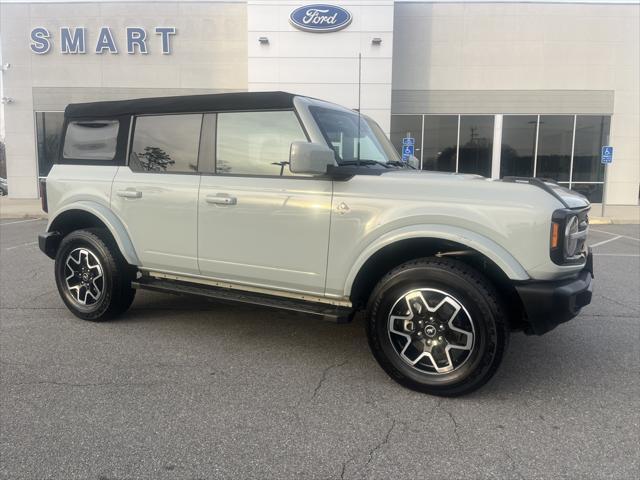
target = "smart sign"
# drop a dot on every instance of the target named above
(320, 18)
(74, 40)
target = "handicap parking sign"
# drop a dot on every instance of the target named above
(408, 141)
(407, 152)
(607, 155)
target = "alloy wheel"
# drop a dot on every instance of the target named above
(431, 330)
(84, 276)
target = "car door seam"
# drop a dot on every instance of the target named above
(326, 263)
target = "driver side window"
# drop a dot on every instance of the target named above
(256, 143)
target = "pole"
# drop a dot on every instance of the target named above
(359, 98)
(604, 188)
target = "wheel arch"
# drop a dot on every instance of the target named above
(481, 253)
(88, 214)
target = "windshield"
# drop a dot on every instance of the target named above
(340, 129)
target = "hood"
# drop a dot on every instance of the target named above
(571, 199)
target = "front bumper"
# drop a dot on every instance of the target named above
(49, 242)
(548, 304)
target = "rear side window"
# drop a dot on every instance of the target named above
(166, 143)
(91, 140)
(256, 143)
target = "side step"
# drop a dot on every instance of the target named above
(328, 312)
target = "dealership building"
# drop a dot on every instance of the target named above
(495, 88)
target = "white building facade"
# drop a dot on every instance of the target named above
(495, 88)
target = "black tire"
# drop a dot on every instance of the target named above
(111, 293)
(451, 284)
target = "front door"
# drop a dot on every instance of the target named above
(258, 224)
(156, 195)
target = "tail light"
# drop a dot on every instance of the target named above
(43, 194)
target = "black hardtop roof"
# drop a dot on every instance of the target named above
(183, 104)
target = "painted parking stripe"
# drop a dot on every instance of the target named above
(609, 233)
(22, 245)
(22, 221)
(606, 241)
(616, 255)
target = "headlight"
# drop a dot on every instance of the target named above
(568, 236)
(571, 237)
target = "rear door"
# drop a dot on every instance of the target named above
(156, 194)
(259, 224)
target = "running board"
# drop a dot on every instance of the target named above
(332, 313)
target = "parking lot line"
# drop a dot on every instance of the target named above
(616, 255)
(606, 241)
(21, 221)
(21, 245)
(615, 234)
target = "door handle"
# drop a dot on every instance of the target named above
(129, 193)
(221, 199)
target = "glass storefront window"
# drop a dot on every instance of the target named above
(476, 144)
(440, 143)
(593, 191)
(518, 145)
(568, 146)
(403, 126)
(592, 133)
(554, 146)
(48, 133)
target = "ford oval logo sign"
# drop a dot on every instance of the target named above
(320, 18)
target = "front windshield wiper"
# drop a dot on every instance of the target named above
(362, 161)
(396, 163)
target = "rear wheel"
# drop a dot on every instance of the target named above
(93, 279)
(437, 326)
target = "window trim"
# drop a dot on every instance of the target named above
(214, 134)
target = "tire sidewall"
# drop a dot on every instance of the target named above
(83, 239)
(487, 336)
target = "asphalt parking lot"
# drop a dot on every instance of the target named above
(190, 389)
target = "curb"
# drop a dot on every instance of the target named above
(600, 221)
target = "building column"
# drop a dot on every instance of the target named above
(497, 147)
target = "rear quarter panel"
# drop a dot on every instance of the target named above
(67, 184)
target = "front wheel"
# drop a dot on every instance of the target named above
(437, 326)
(93, 279)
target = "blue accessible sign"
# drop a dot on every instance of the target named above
(408, 141)
(607, 155)
(407, 152)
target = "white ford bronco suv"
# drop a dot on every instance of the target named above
(291, 202)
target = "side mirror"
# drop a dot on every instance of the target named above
(310, 158)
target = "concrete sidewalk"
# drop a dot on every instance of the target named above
(21, 208)
(614, 214)
(618, 214)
